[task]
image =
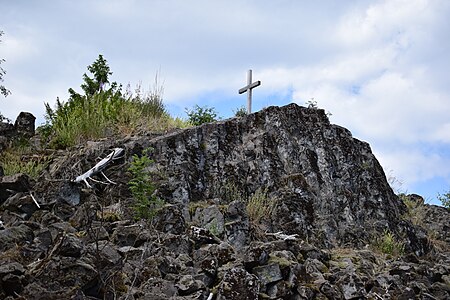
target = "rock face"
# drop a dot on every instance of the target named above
(329, 185)
(279, 204)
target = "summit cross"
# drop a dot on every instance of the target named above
(248, 88)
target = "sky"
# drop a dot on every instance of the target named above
(380, 67)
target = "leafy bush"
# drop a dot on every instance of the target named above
(445, 199)
(103, 111)
(199, 115)
(240, 112)
(143, 190)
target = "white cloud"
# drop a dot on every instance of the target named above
(414, 166)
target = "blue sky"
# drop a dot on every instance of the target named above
(380, 67)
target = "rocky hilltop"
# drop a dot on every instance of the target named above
(279, 204)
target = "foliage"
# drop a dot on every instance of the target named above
(260, 205)
(143, 190)
(415, 209)
(445, 199)
(102, 111)
(199, 115)
(388, 244)
(3, 90)
(21, 159)
(240, 112)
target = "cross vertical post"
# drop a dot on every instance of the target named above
(248, 88)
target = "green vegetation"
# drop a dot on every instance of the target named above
(103, 109)
(3, 90)
(240, 112)
(260, 205)
(20, 158)
(388, 244)
(445, 199)
(146, 203)
(415, 209)
(199, 115)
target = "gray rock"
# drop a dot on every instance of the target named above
(17, 183)
(71, 246)
(211, 218)
(14, 235)
(268, 273)
(351, 286)
(21, 204)
(170, 219)
(133, 235)
(237, 284)
(237, 225)
(24, 124)
(188, 285)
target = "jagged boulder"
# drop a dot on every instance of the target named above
(330, 187)
(24, 127)
(24, 124)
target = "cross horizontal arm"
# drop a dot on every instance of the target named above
(250, 86)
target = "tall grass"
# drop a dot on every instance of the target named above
(106, 113)
(23, 160)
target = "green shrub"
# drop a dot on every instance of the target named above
(388, 244)
(240, 112)
(102, 111)
(199, 115)
(445, 199)
(146, 203)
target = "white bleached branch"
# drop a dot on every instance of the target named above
(35, 201)
(284, 237)
(100, 166)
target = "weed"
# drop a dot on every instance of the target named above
(388, 244)
(21, 160)
(146, 203)
(415, 209)
(260, 205)
(229, 192)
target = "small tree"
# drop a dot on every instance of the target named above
(146, 203)
(3, 90)
(445, 199)
(199, 115)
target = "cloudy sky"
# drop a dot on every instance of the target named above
(381, 68)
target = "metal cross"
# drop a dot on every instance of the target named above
(248, 89)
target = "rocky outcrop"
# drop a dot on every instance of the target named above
(23, 127)
(329, 186)
(279, 204)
